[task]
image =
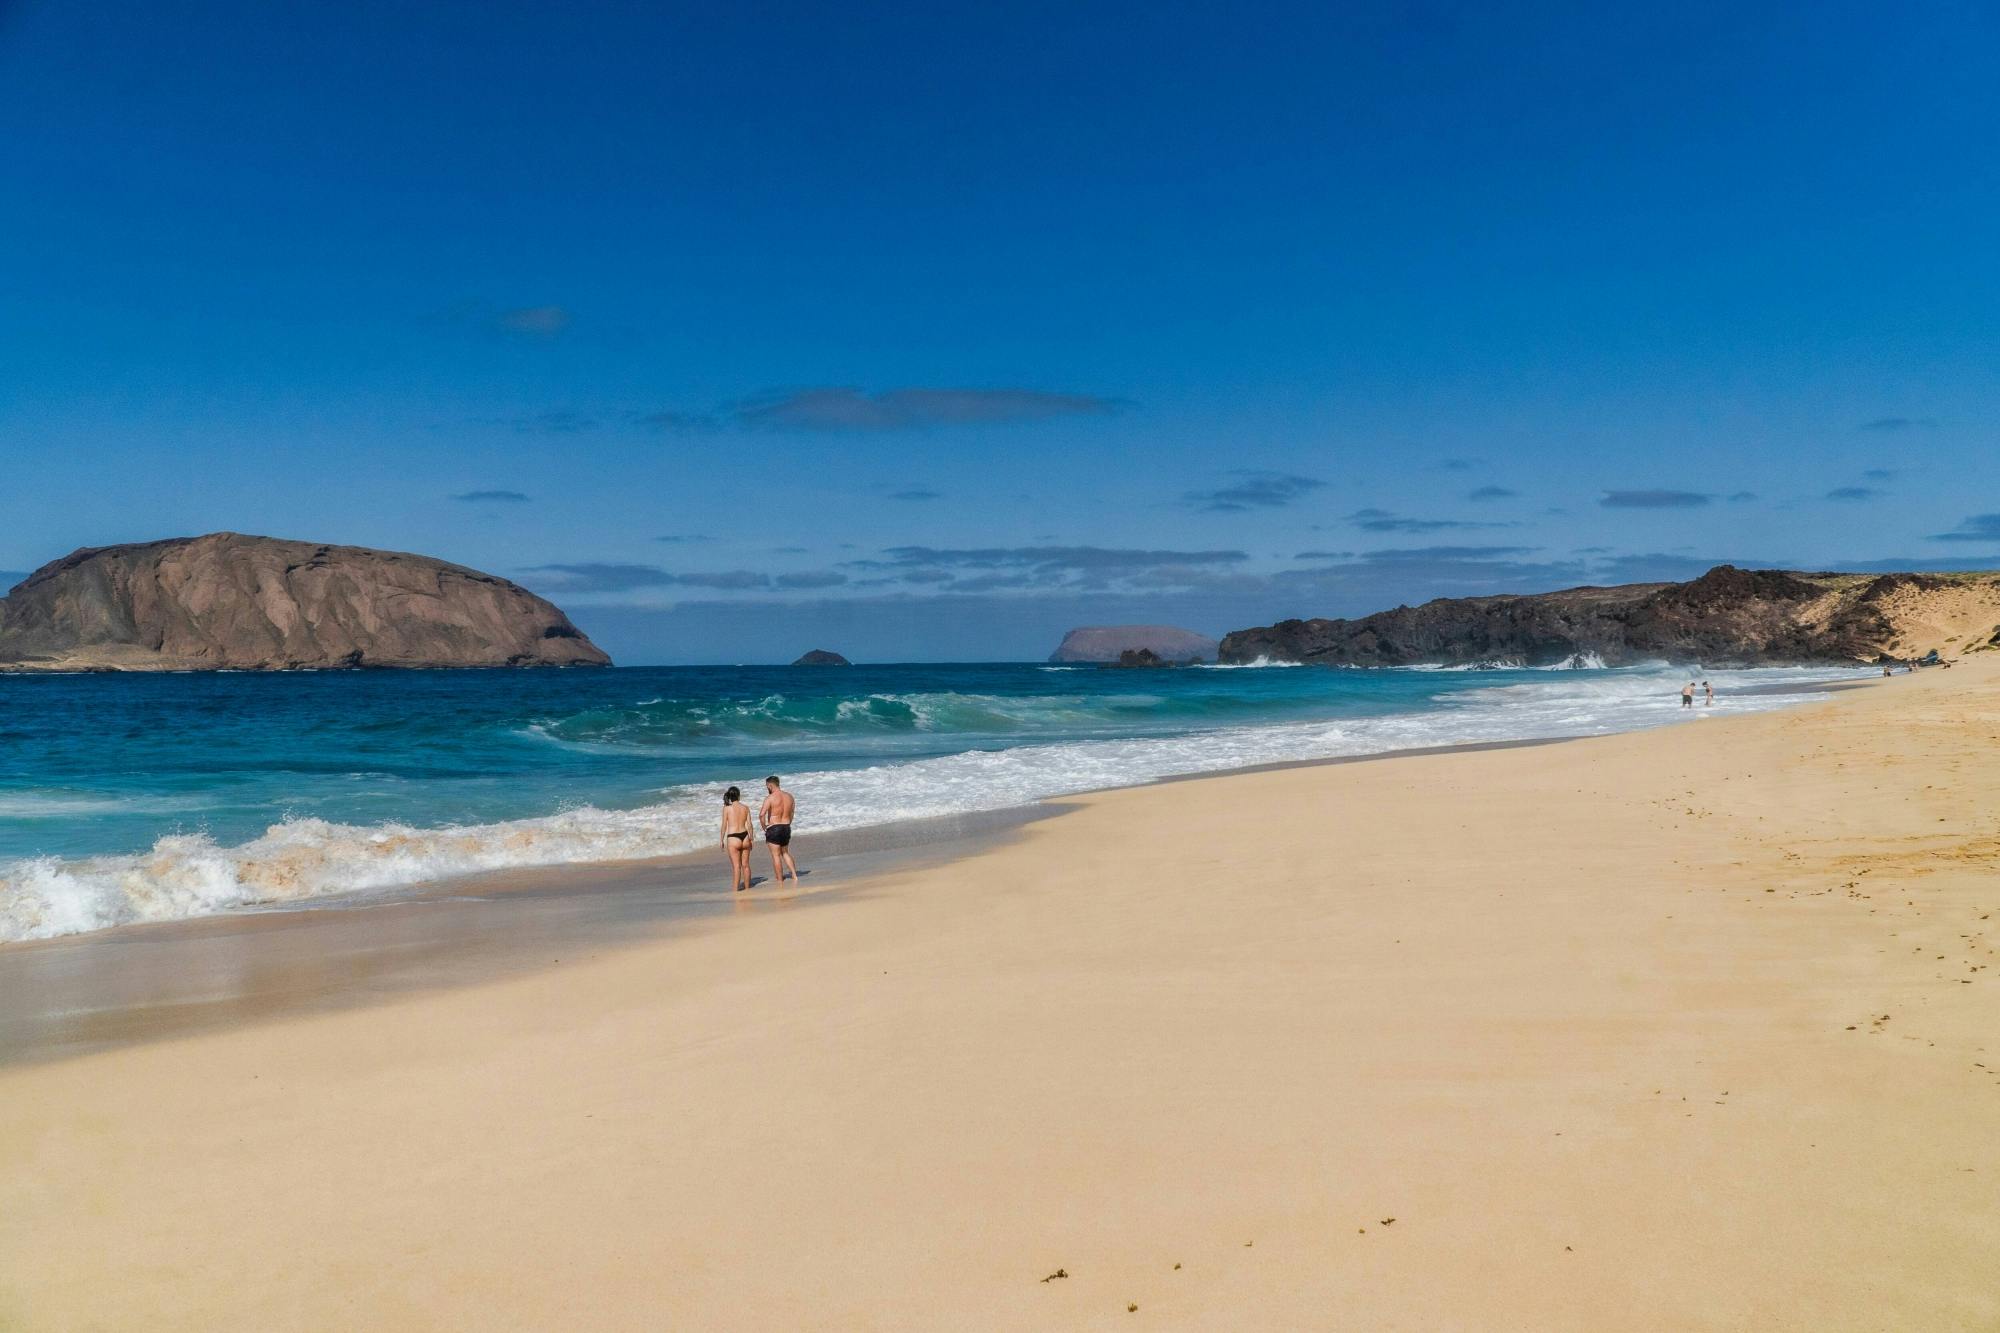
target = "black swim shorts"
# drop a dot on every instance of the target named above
(778, 835)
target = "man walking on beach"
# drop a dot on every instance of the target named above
(1687, 695)
(775, 815)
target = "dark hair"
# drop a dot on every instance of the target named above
(732, 796)
(773, 780)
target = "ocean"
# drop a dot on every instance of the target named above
(128, 798)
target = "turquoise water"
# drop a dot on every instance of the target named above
(148, 797)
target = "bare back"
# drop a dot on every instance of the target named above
(777, 808)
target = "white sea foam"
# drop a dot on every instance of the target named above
(190, 875)
(1254, 664)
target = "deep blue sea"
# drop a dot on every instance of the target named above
(148, 797)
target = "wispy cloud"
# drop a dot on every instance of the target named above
(1882, 473)
(1048, 557)
(539, 321)
(1381, 520)
(1654, 500)
(1661, 567)
(595, 576)
(1253, 489)
(560, 422)
(1458, 464)
(1405, 553)
(592, 576)
(845, 408)
(917, 496)
(667, 422)
(1043, 568)
(1982, 528)
(1853, 494)
(684, 538)
(1741, 497)
(491, 497)
(821, 579)
(727, 579)
(1491, 493)
(1898, 423)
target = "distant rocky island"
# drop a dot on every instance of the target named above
(821, 657)
(1109, 643)
(1727, 617)
(226, 601)
(1142, 657)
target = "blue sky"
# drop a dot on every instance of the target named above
(930, 331)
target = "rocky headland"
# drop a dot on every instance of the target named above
(821, 657)
(226, 601)
(1727, 617)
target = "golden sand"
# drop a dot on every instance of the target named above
(1697, 1028)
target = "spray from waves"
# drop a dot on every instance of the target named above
(189, 875)
(1254, 664)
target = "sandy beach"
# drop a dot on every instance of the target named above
(1695, 1028)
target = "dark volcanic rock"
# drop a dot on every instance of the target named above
(821, 657)
(227, 601)
(1105, 643)
(1140, 657)
(1727, 617)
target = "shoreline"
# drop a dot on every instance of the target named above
(159, 980)
(77, 994)
(141, 873)
(1681, 1028)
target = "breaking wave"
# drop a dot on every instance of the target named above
(1036, 746)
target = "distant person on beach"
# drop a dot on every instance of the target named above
(776, 817)
(1687, 695)
(1708, 695)
(736, 838)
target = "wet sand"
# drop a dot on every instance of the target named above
(65, 997)
(152, 982)
(1690, 1028)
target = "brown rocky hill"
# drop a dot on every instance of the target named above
(1727, 617)
(227, 601)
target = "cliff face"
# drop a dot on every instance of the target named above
(1727, 617)
(1106, 643)
(260, 603)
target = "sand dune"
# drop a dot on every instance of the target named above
(1685, 1029)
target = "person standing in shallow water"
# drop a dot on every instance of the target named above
(1687, 695)
(736, 838)
(1707, 695)
(776, 817)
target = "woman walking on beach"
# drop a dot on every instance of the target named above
(736, 838)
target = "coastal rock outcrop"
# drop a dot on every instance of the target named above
(821, 657)
(226, 601)
(1107, 643)
(1727, 617)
